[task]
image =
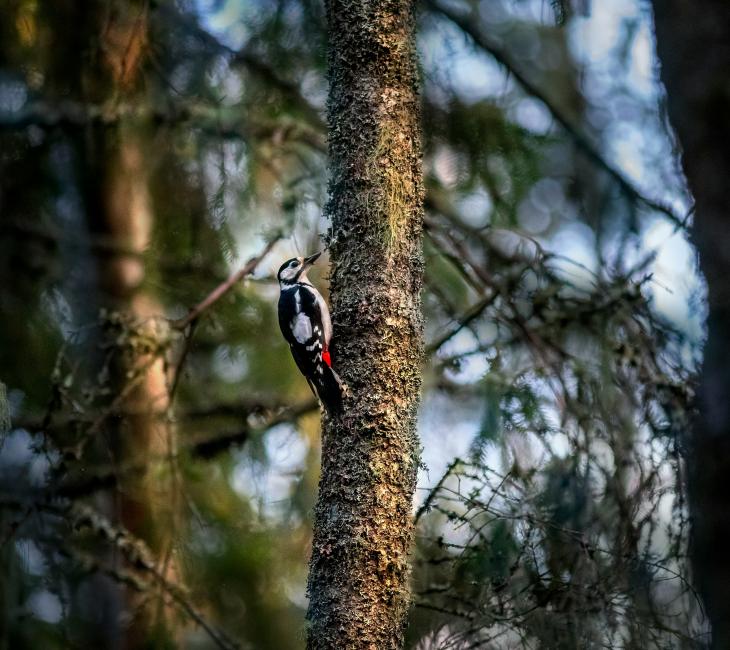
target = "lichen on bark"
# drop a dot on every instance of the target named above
(359, 571)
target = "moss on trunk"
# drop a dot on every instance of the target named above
(359, 571)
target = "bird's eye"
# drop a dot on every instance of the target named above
(295, 263)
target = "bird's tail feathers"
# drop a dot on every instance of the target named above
(331, 392)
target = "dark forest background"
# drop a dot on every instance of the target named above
(158, 473)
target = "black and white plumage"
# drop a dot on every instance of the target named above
(305, 322)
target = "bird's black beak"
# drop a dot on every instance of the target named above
(308, 261)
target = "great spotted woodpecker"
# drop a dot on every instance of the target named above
(304, 320)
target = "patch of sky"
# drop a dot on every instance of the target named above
(46, 606)
(575, 243)
(446, 428)
(493, 12)
(477, 76)
(16, 398)
(13, 95)
(452, 62)
(446, 167)
(295, 588)
(512, 244)
(499, 169)
(462, 343)
(227, 82)
(224, 20)
(33, 561)
(58, 309)
(531, 114)
(20, 462)
(627, 148)
(38, 470)
(16, 451)
(545, 197)
(473, 365)
(475, 208)
(269, 484)
(497, 12)
(487, 332)
(642, 74)
(558, 443)
(675, 283)
(182, 75)
(230, 364)
(314, 87)
(615, 49)
(594, 36)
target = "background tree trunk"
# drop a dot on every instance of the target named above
(693, 43)
(358, 583)
(145, 502)
(121, 218)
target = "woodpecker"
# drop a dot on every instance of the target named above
(305, 322)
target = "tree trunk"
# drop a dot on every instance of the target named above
(693, 44)
(145, 501)
(121, 217)
(359, 571)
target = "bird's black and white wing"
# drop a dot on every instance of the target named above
(305, 322)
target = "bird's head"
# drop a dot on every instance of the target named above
(295, 270)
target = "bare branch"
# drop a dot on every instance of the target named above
(209, 119)
(211, 446)
(250, 267)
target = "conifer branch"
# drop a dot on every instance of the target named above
(580, 139)
(141, 559)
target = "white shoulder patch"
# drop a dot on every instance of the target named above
(301, 327)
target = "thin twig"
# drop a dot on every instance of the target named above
(484, 276)
(426, 505)
(181, 363)
(472, 314)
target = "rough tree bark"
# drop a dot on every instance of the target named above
(359, 571)
(693, 44)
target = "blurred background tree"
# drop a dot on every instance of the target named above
(157, 482)
(694, 47)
